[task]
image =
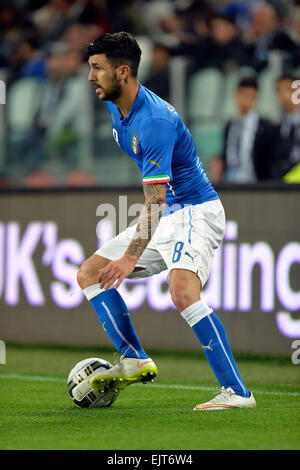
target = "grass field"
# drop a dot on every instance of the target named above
(36, 412)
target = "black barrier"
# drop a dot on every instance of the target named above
(254, 284)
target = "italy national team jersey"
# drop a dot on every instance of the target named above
(155, 137)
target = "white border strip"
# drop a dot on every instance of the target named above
(40, 378)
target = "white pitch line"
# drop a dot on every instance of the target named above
(40, 378)
(208, 388)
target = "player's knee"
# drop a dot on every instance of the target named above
(86, 275)
(180, 294)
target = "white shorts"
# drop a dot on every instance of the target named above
(186, 239)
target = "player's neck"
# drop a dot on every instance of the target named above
(127, 98)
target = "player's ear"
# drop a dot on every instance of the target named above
(124, 72)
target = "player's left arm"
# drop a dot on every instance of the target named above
(118, 270)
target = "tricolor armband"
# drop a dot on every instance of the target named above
(156, 179)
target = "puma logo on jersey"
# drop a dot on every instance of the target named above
(156, 163)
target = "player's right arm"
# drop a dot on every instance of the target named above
(118, 270)
(155, 197)
(156, 143)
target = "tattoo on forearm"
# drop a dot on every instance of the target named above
(149, 218)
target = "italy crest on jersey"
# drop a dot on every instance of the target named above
(134, 143)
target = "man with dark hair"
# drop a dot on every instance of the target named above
(248, 140)
(180, 227)
(287, 152)
(118, 48)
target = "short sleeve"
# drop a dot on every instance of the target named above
(157, 145)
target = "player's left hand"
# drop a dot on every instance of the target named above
(116, 271)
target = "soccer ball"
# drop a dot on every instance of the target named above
(80, 390)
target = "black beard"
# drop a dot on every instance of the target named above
(113, 93)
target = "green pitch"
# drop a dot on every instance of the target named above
(36, 412)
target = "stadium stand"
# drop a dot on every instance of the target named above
(53, 124)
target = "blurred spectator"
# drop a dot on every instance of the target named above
(189, 21)
(62, 70)
(248, 141)
(267, 32)
(158, 76)
(126, 16)
(41, 42)
(13, 25)
(53, 18)
(287, 39)
(154, 13)
(223, 47)
(287, 150)
(95, 12)
(227, 46)
(190, 27)
(63, 122)
(28, 59)
(78, 35)
(65, 114)
(264, 23)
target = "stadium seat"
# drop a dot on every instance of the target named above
(40, 179)
(204, 93)
(105, 145)
(23, 100)
(5, 182)
(80, 178)
(208, 139)
(268, 104)
(119, 170)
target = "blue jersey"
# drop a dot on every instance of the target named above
(155, 137)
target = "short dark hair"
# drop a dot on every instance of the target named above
(119, 48)
(248, 82)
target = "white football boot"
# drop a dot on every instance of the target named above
(125, 372)
(227, 399)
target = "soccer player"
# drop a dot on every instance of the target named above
(180, 227)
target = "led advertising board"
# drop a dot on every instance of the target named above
(254, 284)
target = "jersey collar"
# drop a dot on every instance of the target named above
(140, 98)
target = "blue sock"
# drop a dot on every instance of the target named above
(212, 336)
(115, 319)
